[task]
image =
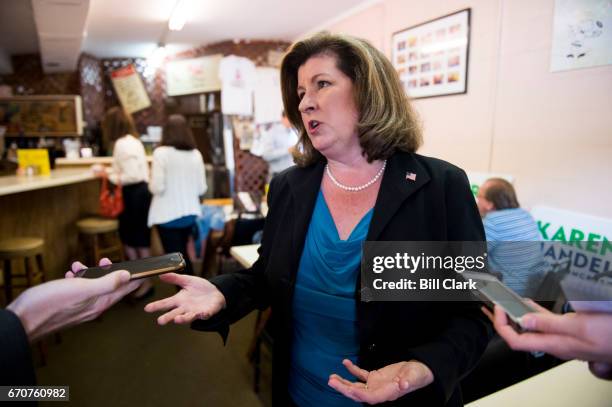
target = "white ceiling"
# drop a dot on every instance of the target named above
(120, 28)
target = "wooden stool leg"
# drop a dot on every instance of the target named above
(120, 245)
(29, 271)
(41, 267)
(96, 249)
(8, 284)
(82, 249)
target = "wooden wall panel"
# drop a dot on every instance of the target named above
(51, 214)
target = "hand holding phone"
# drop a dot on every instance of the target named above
(141, 268)
(493, 292)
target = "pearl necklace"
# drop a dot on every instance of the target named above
(357, 188)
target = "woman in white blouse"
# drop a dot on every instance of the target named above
(130, 169)
(177, 183)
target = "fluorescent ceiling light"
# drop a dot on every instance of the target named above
(179, 16)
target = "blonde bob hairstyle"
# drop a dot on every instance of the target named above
(386, 122)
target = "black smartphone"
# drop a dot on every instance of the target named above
(492, 291)
(141, 268)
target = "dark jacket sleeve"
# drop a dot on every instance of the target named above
(244, 290)
(15, 357)
(456, 351)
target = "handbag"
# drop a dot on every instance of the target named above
(111, 199)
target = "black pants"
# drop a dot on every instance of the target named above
(175, 240)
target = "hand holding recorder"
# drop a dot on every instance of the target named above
(581, 335)
(57, 304)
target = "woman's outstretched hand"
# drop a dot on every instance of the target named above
(198, 299)
(386, 384)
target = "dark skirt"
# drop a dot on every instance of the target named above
(133, 228)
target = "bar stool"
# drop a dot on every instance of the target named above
(25, 250)
(103, 236)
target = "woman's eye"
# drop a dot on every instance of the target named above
(300, 95)
(323, 84)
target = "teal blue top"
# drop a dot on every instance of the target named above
(324, 309)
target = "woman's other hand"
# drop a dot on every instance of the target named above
(386, 384)
(57, 304)
(198, 299)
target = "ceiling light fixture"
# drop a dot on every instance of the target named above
(157, 57)
(178, 18)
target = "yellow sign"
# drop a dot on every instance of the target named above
(35, 160)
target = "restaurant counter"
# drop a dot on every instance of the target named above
(49, 207)
(87, 162)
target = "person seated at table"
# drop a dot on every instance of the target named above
(357, 178)
(511, 232)
(49, 307)
(576, 335)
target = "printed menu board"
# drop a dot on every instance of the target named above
(196, 75)
(130, 89)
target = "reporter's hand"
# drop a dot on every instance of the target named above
(198, 299)
(386, 384)
(57, 304)
(581, 335)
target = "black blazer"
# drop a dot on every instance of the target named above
(15, 358)
(438, 206)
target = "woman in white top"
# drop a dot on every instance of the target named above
(177, 182)
(131, 170)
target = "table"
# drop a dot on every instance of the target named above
(245, 255)
(88, 162)
(570, 384)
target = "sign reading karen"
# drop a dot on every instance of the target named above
(585, 238)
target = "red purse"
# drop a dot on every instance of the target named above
(111, 201)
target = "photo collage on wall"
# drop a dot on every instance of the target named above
(431, 58)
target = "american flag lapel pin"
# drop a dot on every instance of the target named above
(410, 176)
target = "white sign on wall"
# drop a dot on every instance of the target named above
(582, 34)
(197, 75)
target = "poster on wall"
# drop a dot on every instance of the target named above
(431, 58)
(196, 75)
(268, 100)
(42, 116)
(582, 34)
(130, 89)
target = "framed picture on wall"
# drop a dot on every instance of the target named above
(42, 115)
(431, 58)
